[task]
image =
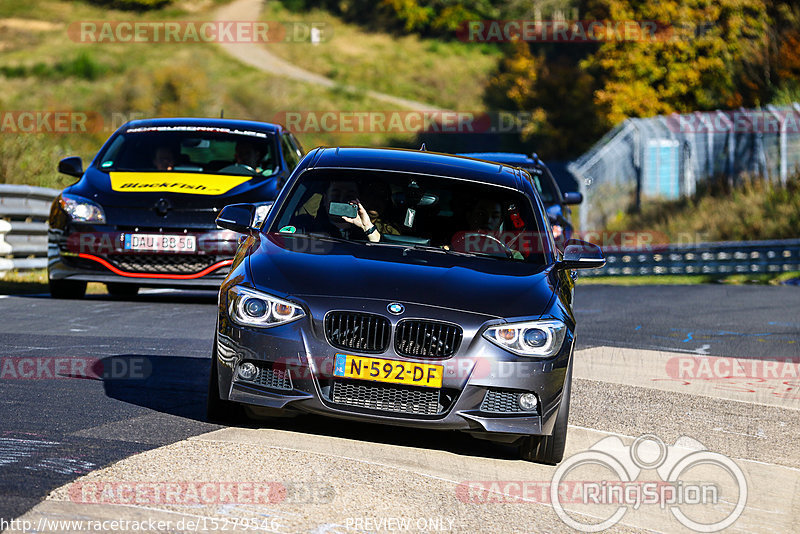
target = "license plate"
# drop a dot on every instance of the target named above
(160, 243)
(392, 371)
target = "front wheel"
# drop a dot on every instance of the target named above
(550, 449)
(67, 289)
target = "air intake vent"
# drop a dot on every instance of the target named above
(497, 401)
(363, 332)
(162, 263)
(271, 377)
(400, 399)
(426, 339)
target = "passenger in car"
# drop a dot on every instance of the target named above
(164, 158)
(358, 227)
(376, 197)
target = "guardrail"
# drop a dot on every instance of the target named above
(23, 226)
(23, 245)
(754, 257)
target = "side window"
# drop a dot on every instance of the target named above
(296, 144)
(290, 153)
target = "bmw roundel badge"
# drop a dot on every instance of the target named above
(396, 308)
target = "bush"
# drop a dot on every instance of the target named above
(755, 209)
(132, 5)
(82, 66)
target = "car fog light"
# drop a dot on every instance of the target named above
(527, 401)
(247, 371)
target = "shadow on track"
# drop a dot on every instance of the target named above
(178, 386)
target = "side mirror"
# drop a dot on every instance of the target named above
(581, 255)
(262, 210)
(73, 166)
(237, 217)
(572, 197)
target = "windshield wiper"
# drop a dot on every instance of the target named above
(317, 235)
(428, 248)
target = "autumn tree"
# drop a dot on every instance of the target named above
(691, 62)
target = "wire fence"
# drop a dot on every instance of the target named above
(668, 156)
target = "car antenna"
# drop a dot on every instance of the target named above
(422, 148)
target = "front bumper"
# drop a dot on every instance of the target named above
(300, 360)
(96, 253)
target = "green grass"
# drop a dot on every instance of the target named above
(754, 209)
(22, 282)
(736, 279)
(447, 74)
(33, 282)
(43, 69)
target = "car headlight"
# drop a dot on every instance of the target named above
(540, 339)
(82, 210)
(249, 307)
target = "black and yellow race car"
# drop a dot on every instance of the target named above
(142, 213)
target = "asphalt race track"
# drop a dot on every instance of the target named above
(86, 386)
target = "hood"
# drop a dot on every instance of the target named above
(306, 267)
(170, 198)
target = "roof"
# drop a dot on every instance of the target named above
(417, 161)
(207, 122)
(511, 158)
(563, 177)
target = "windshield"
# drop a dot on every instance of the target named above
(543, 183)
(207, 150)
(439, 214)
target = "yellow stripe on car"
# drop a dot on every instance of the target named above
(175, 182)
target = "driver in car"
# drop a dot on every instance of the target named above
(247, 159)
(246, 154)
(485, 216)
(484, 221)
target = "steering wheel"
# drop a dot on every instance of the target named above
(509, 252)
(462, 243)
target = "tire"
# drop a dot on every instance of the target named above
(550, 449)
(117, 289)
(67, 289)
(217, 410)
